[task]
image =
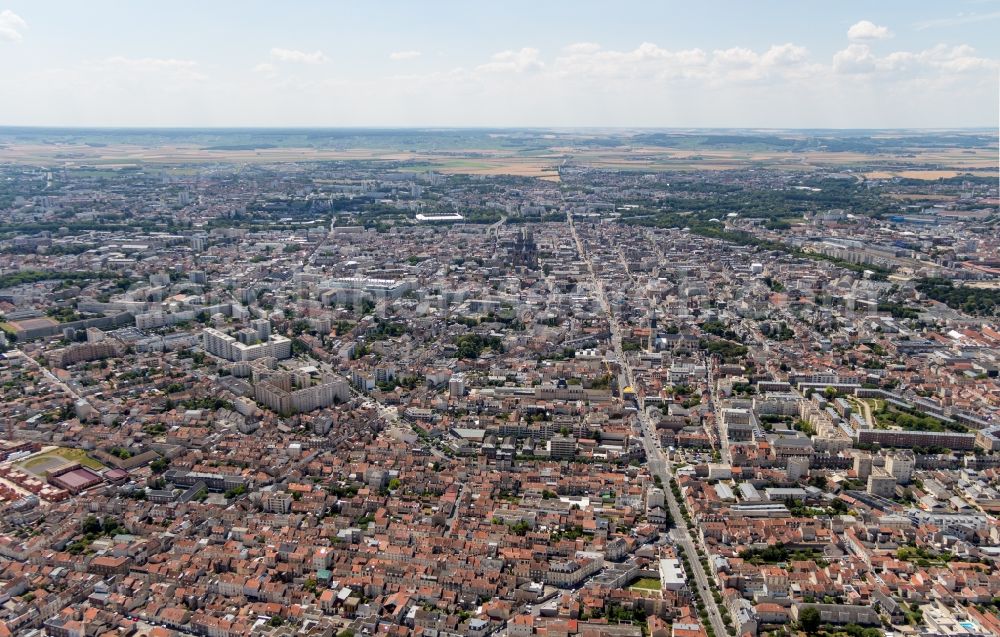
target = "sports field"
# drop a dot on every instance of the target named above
(49, 460)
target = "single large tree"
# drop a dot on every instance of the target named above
(809, 620)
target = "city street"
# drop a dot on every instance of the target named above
(657, 461)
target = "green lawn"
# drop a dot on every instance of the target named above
(646, 584)
(79, 455)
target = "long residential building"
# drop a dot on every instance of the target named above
(897, 438)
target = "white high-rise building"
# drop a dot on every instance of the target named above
(263, 327)
(300, 391)
(225, 346)
(456, 386)
(900, 466)
(655, 498)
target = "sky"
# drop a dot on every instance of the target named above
(468, 63)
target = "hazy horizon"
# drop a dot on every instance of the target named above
(557, 129)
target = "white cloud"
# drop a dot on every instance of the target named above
(522, 61)
(783, 85)
(734, 57)
(938, 60)
(404, 55)
(694, 85)
(856, 58)
(298, 57)
(651, 62)
(867, 30)
(11, 26)
(737, 64)
(648, 61)
(956, 59)
(784, 55)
